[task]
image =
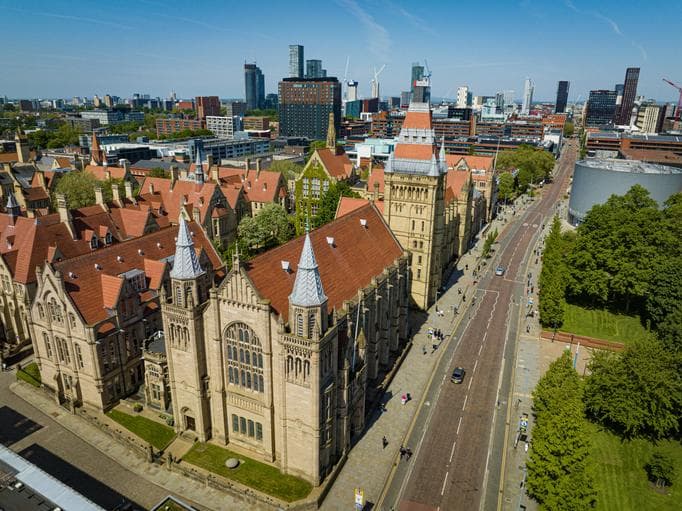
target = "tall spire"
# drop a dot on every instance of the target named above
(95, 151)
(12, 207)
(331, 133)
(186, 264)
(307, 290)
(198, 169)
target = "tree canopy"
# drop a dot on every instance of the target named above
(79, 189)
(553, 276)
(533, 164)
(269, 228)
(505, 187)
(330, 202)
(288, 168)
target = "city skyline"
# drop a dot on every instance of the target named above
(134, 55)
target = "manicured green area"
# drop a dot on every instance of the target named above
(30, 374)
(255, 474)
(148, 430)
(621, 480)
(602, 324)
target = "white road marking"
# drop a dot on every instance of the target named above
(458, 425)
(480, 348)
(444, 482)
(452, 452)
(469, 386)
(465, 401)
(475, 365)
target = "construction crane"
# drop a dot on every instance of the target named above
(375, 82)
(679, 101)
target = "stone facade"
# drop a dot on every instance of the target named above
(269, 363)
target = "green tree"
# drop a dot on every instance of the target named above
(269, 228)
(661, 469)
(554, 276)
(670, 330)
(159, 172)
(569, 129)
(78, 187)
(288, 168)
(560, 468)
(505, 188)
(330, 201)
(637, 393)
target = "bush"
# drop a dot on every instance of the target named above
(660, 469)
(137, 407)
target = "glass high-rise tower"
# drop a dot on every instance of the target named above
(629, 93)
(561, 97)
(295, 61)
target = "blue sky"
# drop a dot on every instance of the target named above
(64, 48)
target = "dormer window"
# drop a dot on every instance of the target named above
(108, 239)
(93, 242)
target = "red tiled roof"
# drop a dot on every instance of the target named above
(417, 120)
(472, 162)
(64, 163)
(258, 187)
(456, 180)
(416, 151)
(100, 172)
(349, 204)
(111, 290)
(377, 176)
(34, 194)
(358, 254)
(86, 289)
(339, 166)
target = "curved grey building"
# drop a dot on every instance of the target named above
(595, 180)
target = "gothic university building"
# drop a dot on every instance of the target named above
(276, 360)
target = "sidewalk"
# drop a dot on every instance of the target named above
(188, 490)
(369, 464)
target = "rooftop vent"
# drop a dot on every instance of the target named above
(98, 266)
(119, 259)
(363, 222)
(330, 241)
(285, 266)
(72, 275)
(140, 252)
(158, 244)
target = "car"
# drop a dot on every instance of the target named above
(499, 271)
(457, 375)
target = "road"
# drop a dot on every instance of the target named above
(454, 465)
(42, 441)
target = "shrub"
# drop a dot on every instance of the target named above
(660, 469)
(137, 407)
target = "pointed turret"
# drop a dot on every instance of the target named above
(331, 134)
(95, 151)
(12, 208)
(307, 290)
(186, 264)
(198, 169)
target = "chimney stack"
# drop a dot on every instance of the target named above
(173, 175)
(247, 164)
(125, 164)
(99, 197)
(209, 160)
(65, 215)
(129, 190)
(116, 195)
(257, 167)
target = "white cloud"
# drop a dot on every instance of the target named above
(377, 36)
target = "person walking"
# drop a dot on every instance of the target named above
(384, 442)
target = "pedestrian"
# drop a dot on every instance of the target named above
(527, 329)
(424, 349)
(408, 453)
(384, 442)
(466, 267)
(402, 452)
(4, 366)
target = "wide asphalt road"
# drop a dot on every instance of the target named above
(453, 432)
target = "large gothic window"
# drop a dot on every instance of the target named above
(244, 357)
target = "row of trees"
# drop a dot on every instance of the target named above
(554, 275)
(531, 165)
(63, 135)
(560, 469)
(79, 189)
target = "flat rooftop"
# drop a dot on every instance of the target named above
(632, 166)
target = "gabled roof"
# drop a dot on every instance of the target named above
(377, 176)
(417, 119)
(172, 199)
(338, 166)
(358, 254)
(85, 287)
(263, 186)
(470, 162)
(100, 172)
(455, 184)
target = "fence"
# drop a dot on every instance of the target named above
(588, 342)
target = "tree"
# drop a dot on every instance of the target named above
(326, 211)
(637, 393)
(560, 467)
(271, 227)
(670, 330)
(159, 172)
(554, 276)
(78, 187)
(661, 469)
(569, 129)
(289, 169)
(505, 187)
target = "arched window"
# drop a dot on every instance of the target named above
(244, 357)
(41, 312)
(299, 324)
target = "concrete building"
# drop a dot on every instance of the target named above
(276, 361)
(595, 180)
(254, 87)
(223, 127)
(305, 105)
(351, 90)
(561, 97)
(105, 117)
(170, 125)
(528, 88)
(207, 106)
(295, 61)
(464, 97)
(235, 109)
(226, 149)
(650, 117)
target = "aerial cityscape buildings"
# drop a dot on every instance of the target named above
(561, 97)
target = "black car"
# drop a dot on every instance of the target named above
(457, 375)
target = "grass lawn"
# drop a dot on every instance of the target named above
(255, 474)
(30, 374)
(148, 430)
(602, 324)
(621, 480)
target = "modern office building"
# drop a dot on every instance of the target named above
(254, 87)
(463, 96)
(223, 126)
(313, 69)
(417, 74)
(207, 105)
(105, 117)
(595, 180)
(528, 89)
(305, 105)
(561, 97)
(650, 117)
(295, 61)
(351, 90)
(629, 95)
(601, 108)
(235, 108)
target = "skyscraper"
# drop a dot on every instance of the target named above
(313, 69)
(417, 74)
(561, 97)
(254, 85)
(463, 96)
(351, 90)
(305, 105)
(629, 94)
(295, 61)
(527, 96)
(601, 108)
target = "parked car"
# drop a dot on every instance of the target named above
(499, 271)
(457, 375)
